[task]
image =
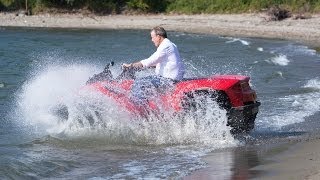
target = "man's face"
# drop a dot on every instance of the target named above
(156, 39)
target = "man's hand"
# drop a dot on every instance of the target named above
(126, 66)
(136, 66)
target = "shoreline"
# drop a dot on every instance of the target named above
(296, 160)
(300, 160)
(304, 31)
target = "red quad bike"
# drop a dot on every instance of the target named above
(231, 92)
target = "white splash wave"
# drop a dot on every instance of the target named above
(243, 42)
(295, 49)
(260, 49)
(293, 108)
(46, 89)
(280, 60)
(313, 83)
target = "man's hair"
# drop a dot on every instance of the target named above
(160, 31)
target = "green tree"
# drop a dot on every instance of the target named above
(7, 3)
(103, 6)
(147, 5)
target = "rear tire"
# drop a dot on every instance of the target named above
(61, 111)
(195, 104)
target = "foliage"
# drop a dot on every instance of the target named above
(236, 6)
(147, 5)
(102, 6)
(159, 6)
(6, 3)
(65, 4)
(188, 6)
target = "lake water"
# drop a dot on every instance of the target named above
(41, 67)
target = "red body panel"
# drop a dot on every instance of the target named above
(236, 87)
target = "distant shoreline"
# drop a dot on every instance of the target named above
(306, 31)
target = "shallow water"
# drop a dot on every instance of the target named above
(42, 68)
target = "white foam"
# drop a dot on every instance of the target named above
(299, 49)
(243, 42)
(280, 60)
(313, 83)
(295, 50)
(260, 49)
(298, 107)
(177, 162)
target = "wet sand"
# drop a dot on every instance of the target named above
(300, 157)
(298, 160)
(286, 160)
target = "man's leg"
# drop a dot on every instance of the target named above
(149, 87)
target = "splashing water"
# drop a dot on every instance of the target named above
(47, 89)
(92, 114)
(110, 121)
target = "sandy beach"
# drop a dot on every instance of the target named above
(240, 25)
(301, 160)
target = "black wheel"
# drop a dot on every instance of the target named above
(88, 115)
(61, 111)
(240, 123)
(197, 104)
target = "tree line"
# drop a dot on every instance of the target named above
(103, 7)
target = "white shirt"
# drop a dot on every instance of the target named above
(167, 61)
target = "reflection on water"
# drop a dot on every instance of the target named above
(233, 163)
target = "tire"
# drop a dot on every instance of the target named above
(61, 111)
(195, 103)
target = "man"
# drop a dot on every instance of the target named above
(166, 60)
